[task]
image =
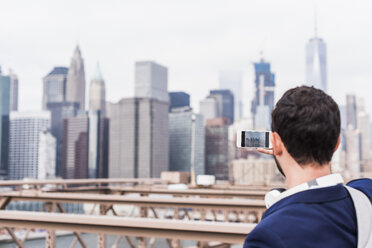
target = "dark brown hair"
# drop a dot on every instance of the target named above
(308, 122)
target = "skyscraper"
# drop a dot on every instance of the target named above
(123, 140)
(262, 118)
(138, 138)
(85, 146)
(209, 108)
(98, 145)
(47, 155)
(151, 81)
(60, 111)
(352, 153)
(357, 137)
(232, 80)
(316, 63)
(75, 85)
(97, 92)
(13, 106)
(4, 123)
(351, 111)
(183, 126)
(178, 100)
(54, 86)
(363, 123)
(75, 147)
(217, 148)
(263, 101)
(24, 143)
(225, 102)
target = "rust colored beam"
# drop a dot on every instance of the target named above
(195, 192)
(232, 233)
(144, 201)
(251, 194)
(99, 181)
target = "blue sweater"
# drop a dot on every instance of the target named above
(323, 217)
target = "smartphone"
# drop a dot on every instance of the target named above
(253, 139)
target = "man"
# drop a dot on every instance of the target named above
(316, 210)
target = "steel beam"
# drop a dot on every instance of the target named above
(99, 181)
(232, 233)
(194, 192)
(144, 201)
(251, 194)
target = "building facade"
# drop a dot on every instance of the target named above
(98, 145)
(316, 63)
(47, 155)
(263, 101)
(209, 108)
(85, 146)
(151, 81)
(4, 123)
(352, 153)
(97, 93)
(217, 148)
(13, 103)
(351, 111)
(254, 171)
(225, 102)
(178, 100)
(363, 123)
(138, 138)
(54, 86)
(186, 142)
(75, 147)
(75, 84)
(24, 143)
(232, 80)
(59, 111)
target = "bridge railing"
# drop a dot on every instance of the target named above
(227, 233)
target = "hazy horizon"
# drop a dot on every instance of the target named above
(194, 39)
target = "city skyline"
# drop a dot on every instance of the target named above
(225, 39)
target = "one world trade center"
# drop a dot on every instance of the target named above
(316, 63)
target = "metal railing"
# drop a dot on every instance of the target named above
(230, 233)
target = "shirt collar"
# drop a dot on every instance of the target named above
(320, 182)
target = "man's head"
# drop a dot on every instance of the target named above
(306, 121)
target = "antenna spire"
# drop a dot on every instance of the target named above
(261, 55)
(315, 20)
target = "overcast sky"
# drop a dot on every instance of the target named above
(195, 39)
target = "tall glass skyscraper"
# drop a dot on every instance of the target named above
(75, 85)
(54, 86)
(181, 142)
(59, 111)
(225, 102)
(85, 146)
(139, 137)
(217, 148)
(316, 63)
(24, 142)
(263, 101)
(4, 123)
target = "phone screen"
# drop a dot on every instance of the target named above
(255, 139)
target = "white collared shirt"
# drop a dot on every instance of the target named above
(325, 181)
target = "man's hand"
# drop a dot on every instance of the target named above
(266, 151)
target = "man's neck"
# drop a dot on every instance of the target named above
(302, 174)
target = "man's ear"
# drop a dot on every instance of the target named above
(337, 144)
(277, 143)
